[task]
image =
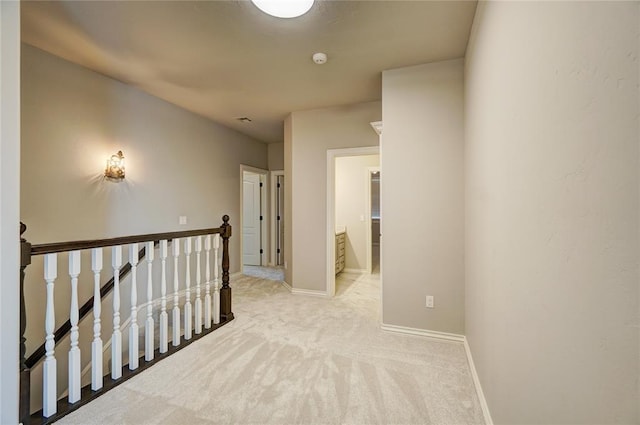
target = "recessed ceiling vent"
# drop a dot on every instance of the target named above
(244, 119)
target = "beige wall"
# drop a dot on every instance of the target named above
(422, 196)
(351, 205)
(9, 208)
(552, 210)
(275, 153)
(73, 119)
(312, 134)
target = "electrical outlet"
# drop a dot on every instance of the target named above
(182, 219)
(429, 303)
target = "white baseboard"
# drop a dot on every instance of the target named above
(476, 382)
(309, 292)
(354, 270)
(451, 338)
(286, 285)
(423, 332)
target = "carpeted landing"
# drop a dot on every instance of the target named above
(290, 359)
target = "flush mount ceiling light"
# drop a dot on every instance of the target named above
(284, 8)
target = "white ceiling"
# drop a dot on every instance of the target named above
(226, 59)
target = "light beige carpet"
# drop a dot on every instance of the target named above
(290, 359)
(264, 272)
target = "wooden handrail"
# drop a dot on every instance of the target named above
(50, 248)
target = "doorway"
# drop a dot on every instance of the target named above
(253, 216)
(277, 218)
(352, 225)
(373, 224)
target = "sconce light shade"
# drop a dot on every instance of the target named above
(115, 167)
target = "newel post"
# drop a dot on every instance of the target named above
(25, 372)
(225, 291)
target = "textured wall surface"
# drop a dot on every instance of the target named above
(312, 134)
(552, 210)
(276, 156)
(423, 196)
(177, 163)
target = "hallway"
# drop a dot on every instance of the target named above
(297, 359)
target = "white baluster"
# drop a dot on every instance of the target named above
(207, 282)
(216, 281)
(187, 303)
(74, 352)
(175, 247)
(116, 337)
(198, 304)
(134, 332)
(164, 319)
(96, 345)
(49, 388)
(148, 326)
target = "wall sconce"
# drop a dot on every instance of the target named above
(115, 167)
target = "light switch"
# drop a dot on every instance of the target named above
(429, 301)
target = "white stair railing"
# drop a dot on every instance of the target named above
(188, 325)
(164, 319)
(50, 387)
(175, 247)
(74, 316)
(216, 280)
(207, 283)
(96, 345)
(116, 336)
(198, 319)
(149, 325)
(133, 325)
(198, 303)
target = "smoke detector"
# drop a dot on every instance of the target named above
(319, 58)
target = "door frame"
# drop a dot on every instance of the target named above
(263, 208)
(273, 224)
(9, 210)
(368, 173)
(332, 154)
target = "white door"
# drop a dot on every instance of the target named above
(251, 232)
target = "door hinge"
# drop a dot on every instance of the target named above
(261, 251)
(260, 218)
(278, 250)
(260, 184)
(278, 184)
(278, 217)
